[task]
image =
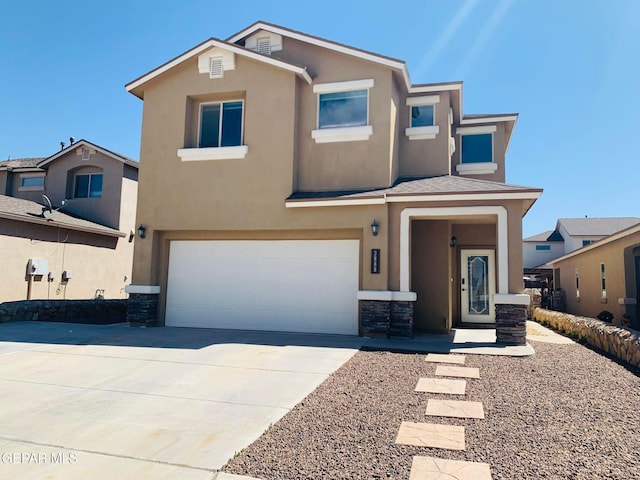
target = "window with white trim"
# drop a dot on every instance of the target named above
(220, 124)
(343, 111)
(422, 117)
(87, 185)
(476, 150)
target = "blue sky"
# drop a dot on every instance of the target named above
(570, 68)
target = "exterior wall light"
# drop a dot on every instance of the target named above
(142, 231)
(453, 242)
(374, 227)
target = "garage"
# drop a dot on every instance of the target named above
(281, 285)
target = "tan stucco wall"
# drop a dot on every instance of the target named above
(60, 184)
(430, 274)
(13, 188)
(620, 278)
(3, 182)
(97, 262)
(426, 157)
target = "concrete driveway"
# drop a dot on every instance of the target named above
(84, 401)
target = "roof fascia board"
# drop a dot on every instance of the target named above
(224, 45)
(530, 195)
(325, 44)
(108, 153)
(54, 223)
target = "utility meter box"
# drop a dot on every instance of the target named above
(37, 267)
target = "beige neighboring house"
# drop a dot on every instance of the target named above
(292, 183)
(81, 249)
(604, 275)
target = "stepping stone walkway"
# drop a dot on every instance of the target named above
(431, 435)
(464, 372)
(441, 385)
(442, 358)
(430, 468)
(448, 437)
(452, 408)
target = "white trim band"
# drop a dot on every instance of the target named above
(146, 289)
(479, 168)
(511, 299)
(213, 153)
(343, 86)
(424, 100)
(476, 130)
(475, 120)
(422, 133)
(343, 134)
(387, 296)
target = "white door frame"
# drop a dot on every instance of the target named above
(502, 247)
(465, 283)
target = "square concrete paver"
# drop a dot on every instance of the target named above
(441, 385)
(464, 372)
(445, 358)
(430, 468)
(431, 435)
(454, 408)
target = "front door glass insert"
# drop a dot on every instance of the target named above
(478, 275)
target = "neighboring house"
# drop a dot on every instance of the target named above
(292, 183)
(602, 276)
(570, 234)
(83, 248)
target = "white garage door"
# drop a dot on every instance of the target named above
(281, 285)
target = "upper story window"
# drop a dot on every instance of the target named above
(476, 150)
(32, 182)
(422, 118)
(221, 124)
(88, 185)
(587, 242)
(343, 111)
(220, 131)
(543, 248)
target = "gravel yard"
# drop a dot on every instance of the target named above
(565, 413)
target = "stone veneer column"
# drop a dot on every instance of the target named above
(511, 318)
(386, 313)
(142, 307)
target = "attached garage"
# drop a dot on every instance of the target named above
(281, 285)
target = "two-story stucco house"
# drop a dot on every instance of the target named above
(292, 183)
(83, 247)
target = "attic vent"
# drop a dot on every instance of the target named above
(264, 46)
(215, 67)
(86, 154)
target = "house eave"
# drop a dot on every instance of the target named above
(53, 223)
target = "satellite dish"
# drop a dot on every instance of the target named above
(47, 204)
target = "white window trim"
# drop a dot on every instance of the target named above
(422, 133)
(349, 86)
(342, 134)
(424, 100)
(479, 168)
(31, 189)
(221, 102)
(213, 153)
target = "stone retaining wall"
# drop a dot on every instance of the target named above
(620, 342)
(96, 312)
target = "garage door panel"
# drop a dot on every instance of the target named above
(296, 285)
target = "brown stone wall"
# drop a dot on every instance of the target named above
(511, 324)
(96, 312)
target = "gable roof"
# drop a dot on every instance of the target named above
(596, 226)
(323, 42)
(117, 156)
(133, 86)
(21, 163)
(440, 188)
(13, 208)
(548, 236)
